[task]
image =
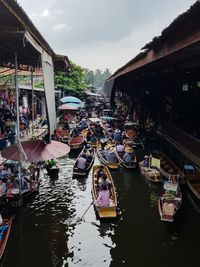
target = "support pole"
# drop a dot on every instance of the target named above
(32, 97)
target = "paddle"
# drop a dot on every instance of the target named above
(70, 221)
(80, 218)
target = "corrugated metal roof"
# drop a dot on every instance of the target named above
(13, 23)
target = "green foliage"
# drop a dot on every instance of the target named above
(96, 78)
(73, 82)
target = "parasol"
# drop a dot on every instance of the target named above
(36, 150)
(67, 107)
(70, 99)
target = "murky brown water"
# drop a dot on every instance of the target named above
(46, 231)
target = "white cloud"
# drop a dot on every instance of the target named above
(45, 13)
(109, 41)
(60, 27)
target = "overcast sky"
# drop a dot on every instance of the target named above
(101, 33)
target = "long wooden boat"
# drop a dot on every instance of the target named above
(170, 202)
(168, 168)
(15, 195)
(111, 165)
(5, 234)
(107, 211)
(192, 177)
(89, 162)
(76, 142)
(133, 164)
(152, 174)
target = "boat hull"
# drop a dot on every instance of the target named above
(5, 237)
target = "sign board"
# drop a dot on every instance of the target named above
(155, 162)
(170, 186)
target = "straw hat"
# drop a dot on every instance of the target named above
(128, 150)
(107, 146)
(112, 149)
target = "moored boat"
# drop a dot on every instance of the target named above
(168, 168)
(4, 235)
(102, 158)
(132, 164)
(89, 162)
(52, 168)
(132, 137)
(109, 211)
(170, 202)
(76, 142)
(150, 170)
(192, 177)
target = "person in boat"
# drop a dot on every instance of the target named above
(103, 199)
(103, 143)
(120, 148)
(106, 151)
(89, 133)
(93, 138)
(81, 162)
(75, 132)
(146, 161)
(127, 158)
(103, 180)
(3, 228)
(2, 188)
(1, 219)
(110, 133)
(83, 124)
(117, 136)
(111, 156)
(51, 163)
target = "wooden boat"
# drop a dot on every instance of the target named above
(62, 135)
(150, 172)
(6, 231)
(192, 176)
(131, 135)
(76, 142)
(133, 164)
(170, 202)
(29, 186)
(108, 211)
(111, 165)
(167, 167)
(90, 161)
(53, 171)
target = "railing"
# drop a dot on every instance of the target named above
(185, 140)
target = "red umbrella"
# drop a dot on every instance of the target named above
(66, 107)
(36, 150)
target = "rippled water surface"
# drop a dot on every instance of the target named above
(48, 231)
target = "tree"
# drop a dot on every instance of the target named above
(73, 82)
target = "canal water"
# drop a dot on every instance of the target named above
(47, 231)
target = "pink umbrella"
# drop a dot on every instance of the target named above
(66, 107)
(36, 150)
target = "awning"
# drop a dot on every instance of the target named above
(92, 94)
(36, 150)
